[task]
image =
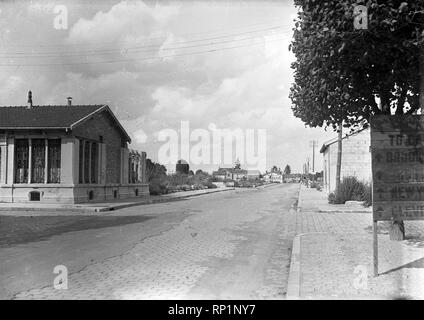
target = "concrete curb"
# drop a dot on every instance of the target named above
(344, 211)
(82, 208)
(293, 283)
(295, 273)
(158, 200)
(299, 202)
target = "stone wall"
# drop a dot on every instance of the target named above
(113, 177)
(101, 124)
(356, 159)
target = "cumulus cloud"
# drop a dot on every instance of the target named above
(126, 20)
(148, 63)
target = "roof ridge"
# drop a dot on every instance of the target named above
(56, 105)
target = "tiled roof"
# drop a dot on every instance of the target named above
(50, 117)
(44, 116)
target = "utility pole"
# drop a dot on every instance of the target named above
(313, 144)
(307, 165)
(339, 155)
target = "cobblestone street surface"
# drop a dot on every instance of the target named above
(336, 256)
(227, 246)
(23, 229)
(232, 245)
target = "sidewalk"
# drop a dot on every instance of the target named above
(312, 200)
(106, 206)
(336, 261)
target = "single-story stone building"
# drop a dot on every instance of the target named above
(67, 154)
(356, 158)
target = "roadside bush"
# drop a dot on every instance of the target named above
(211, 185)
(158, 186)
(316, 185)
(332, 198)
(367, 196)
(349, 189)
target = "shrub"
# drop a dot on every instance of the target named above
(211, 185)
(367, 196)
(332, 198)
(314, 184)
(349, 189)
(158, 186)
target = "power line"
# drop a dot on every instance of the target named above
(137, 59)
(79, 52)
(144, 38)
(132, 50)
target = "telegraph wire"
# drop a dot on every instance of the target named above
(133, 51)
(145, 38)
(81, 52)
(138, 59)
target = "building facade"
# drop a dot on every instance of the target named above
(356, 159)
(67, 154)
(273, 177)
(253, 174)
(230, 174)
(292, 177)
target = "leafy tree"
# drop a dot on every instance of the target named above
(237, 164)
(154, 170)
(274, 169)
(157, 178)
(287, 169)
(182, 167)
(340, 70)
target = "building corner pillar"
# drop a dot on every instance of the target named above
(67, 160)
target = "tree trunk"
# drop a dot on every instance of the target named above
(421, 68)
(397, 231)
(385, 101)
(339, 156)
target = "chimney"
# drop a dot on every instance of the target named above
(29, 99)
(69, 101)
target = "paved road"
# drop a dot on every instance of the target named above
(232, 245)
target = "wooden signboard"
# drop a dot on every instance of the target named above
(397, 149)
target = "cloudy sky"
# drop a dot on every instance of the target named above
(215, 64)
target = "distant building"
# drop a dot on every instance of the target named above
(273, 177)
(229, 174)
(182, 167)
(253, 174)
(67, 154)
(356, 158)
(222, 174)
(292, 177)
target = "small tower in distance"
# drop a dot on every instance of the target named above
(29, 99)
